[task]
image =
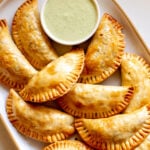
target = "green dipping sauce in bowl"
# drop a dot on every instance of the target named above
(70, 22)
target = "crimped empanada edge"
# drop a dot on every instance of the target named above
(14, 22)
(128, 55)
(113, 111)
(66, 144)
(99, 78)
(133, 141)
(4, 78)
(15, 34)
(61, 88)
(27, 4)
(3, 23)
(27, 130)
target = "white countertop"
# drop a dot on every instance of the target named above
(139, 13)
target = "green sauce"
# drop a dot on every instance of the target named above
(70, 20)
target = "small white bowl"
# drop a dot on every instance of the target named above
(69, 42)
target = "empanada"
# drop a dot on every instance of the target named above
(119, 132)
(105, 51)
(56, 79)
(30, 37)
(95, 101)
(136, 72)
(38, 122)
(67, 145)
(15, 70)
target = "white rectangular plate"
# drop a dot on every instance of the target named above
(134, 44)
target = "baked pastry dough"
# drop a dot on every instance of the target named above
(119, 132)
(38, 122)
(136, 72)
(30, 37)
(67, 145)
(105, 51)
(144, 145)
(103, 101)
(56, 79)
(15, 70)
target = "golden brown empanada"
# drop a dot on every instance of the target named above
(38, 122)
(15, 70)
(105, 51)
(56, 79)
(30, 37)
(67, 145)
(136, 72)
(119, 132)
(95, 101)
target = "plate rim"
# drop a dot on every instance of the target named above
(132, 26)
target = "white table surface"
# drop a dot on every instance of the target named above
(139, 12)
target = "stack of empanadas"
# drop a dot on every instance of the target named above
(105, 117)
